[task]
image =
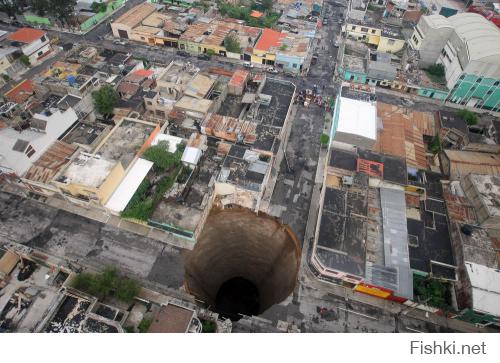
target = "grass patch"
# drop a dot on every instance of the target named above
(144, 325)
(109, 283)
(434, 292)
(208, 326)
(148, 195)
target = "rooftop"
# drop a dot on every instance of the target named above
(466, 162)
(269, 39)
(357, 117)
(341, 242)
(21, 92)
(137, 14)
(242, 167)
(401, 135)
(172, 319)
(485, 283)
(26, 35)
(49, 164)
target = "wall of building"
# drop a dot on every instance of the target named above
(390, 45)
(429, 41)
(364, 33)
(432, 93)
(290, 63)
(475, 91)
(35, 46)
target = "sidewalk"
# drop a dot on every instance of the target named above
(115, 221)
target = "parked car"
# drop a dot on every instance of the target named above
(120, 42)
(247, 65)
(182, 53)
(204, 56)
(272, 70)
(325, 22)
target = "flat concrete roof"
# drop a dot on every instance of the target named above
(357, 117)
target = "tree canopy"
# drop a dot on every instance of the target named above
(105, 99)
(232, 43)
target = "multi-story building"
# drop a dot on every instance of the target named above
(468, 46)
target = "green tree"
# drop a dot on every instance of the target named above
(232, 43)
(469, 117)
(24, 59)
(161, 157)
(9, 7)
(98, 7)
(105, 99)
(435, 145)
(40, 6)
(62, 10)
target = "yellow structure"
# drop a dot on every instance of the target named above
(386, 38)
(364, 33)
(92, 178)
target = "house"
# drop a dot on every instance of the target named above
(7, 61)
(34, 43)
(122, 27)
(21, 148)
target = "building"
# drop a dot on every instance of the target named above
(21, 147)
(468, 46)
(483, 192)
(457, 164)
(265, 49)
(355, 117)
(122, 27)
(383, 38)
(92, 178)
(34, 43)
(485, 286)
(8, 58)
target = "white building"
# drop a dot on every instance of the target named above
(19, 150)
(355, 119)
(34, 43)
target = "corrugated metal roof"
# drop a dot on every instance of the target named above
(396, 238)
(467, 162)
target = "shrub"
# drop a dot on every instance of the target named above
(24, 59)
(107, 283)
(161, 157)
(324, 139)
(208, 326)
(435, 145)
(469, 117)
(232, 43)
(144, 325)
(5, 77)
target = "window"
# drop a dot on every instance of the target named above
(489, 92)
(294, 65)
(149, 103)
(479, 80)
(40, 53)
(43, 38)
(419, 33)
(30, 151)
(353, 27)
(374, 31)
(462, 76)
(496, 83)
(364, 30)
(415, 40)
(391, 41)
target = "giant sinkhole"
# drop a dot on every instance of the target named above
(243, 263)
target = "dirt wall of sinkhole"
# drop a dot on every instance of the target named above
(235, 242)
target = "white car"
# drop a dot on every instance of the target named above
(247, 65)
(272, 70)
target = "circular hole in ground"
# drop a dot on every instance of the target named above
(242, 263)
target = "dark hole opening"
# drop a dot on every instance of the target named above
(236, 297)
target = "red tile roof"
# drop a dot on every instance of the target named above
(21, 92)
(239, 78)
(269, 38)
(144, 72)
(26, 35)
